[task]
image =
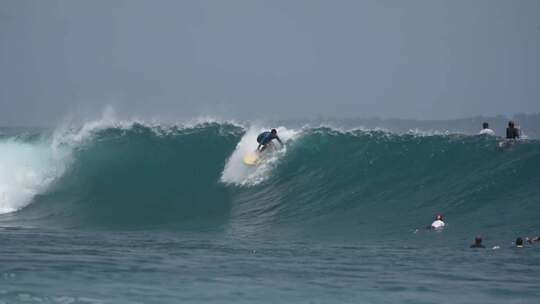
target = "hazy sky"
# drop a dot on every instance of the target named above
(278, 59)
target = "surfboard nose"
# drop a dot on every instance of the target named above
(251, 158)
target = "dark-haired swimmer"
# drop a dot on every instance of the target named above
(477, 242)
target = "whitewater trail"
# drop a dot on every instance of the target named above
(240, 174)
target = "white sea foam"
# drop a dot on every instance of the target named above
(29, 168)
(238, 173)
(26, 169)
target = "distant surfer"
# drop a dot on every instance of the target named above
(265, 139)
(477, 242)
(438, 223)
(486, 130)
(512, 132)
(519, 242)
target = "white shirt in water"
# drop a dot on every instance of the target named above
(487, 132)
(438, 224)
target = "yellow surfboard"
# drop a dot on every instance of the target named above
(252, 158)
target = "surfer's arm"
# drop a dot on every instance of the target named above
(259, 147)
(280, 142)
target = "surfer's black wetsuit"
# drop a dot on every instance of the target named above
(512, 133)
(266, 137)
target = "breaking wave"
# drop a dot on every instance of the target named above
(133, 175)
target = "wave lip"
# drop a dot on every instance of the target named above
(138, 176)
(26, 169)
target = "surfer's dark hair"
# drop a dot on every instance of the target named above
(273, 131)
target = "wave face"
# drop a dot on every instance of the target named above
(324, 181)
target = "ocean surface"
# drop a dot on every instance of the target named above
(133, 212)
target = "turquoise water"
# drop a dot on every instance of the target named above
(135, 213)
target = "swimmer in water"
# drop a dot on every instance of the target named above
(477, 242)
(519, 242)
(438, 223)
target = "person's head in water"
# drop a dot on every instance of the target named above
(510, 124)
(478, 240)
(519, 242)
(485, 125)
(438, 223)
(273, 131)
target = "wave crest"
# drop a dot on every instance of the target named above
(139, 175)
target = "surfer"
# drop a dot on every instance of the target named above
(265, 138)
(477, 242)
(512, 132)
(512, 135)
(438, 223)
(519, 242)
(486, 130)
